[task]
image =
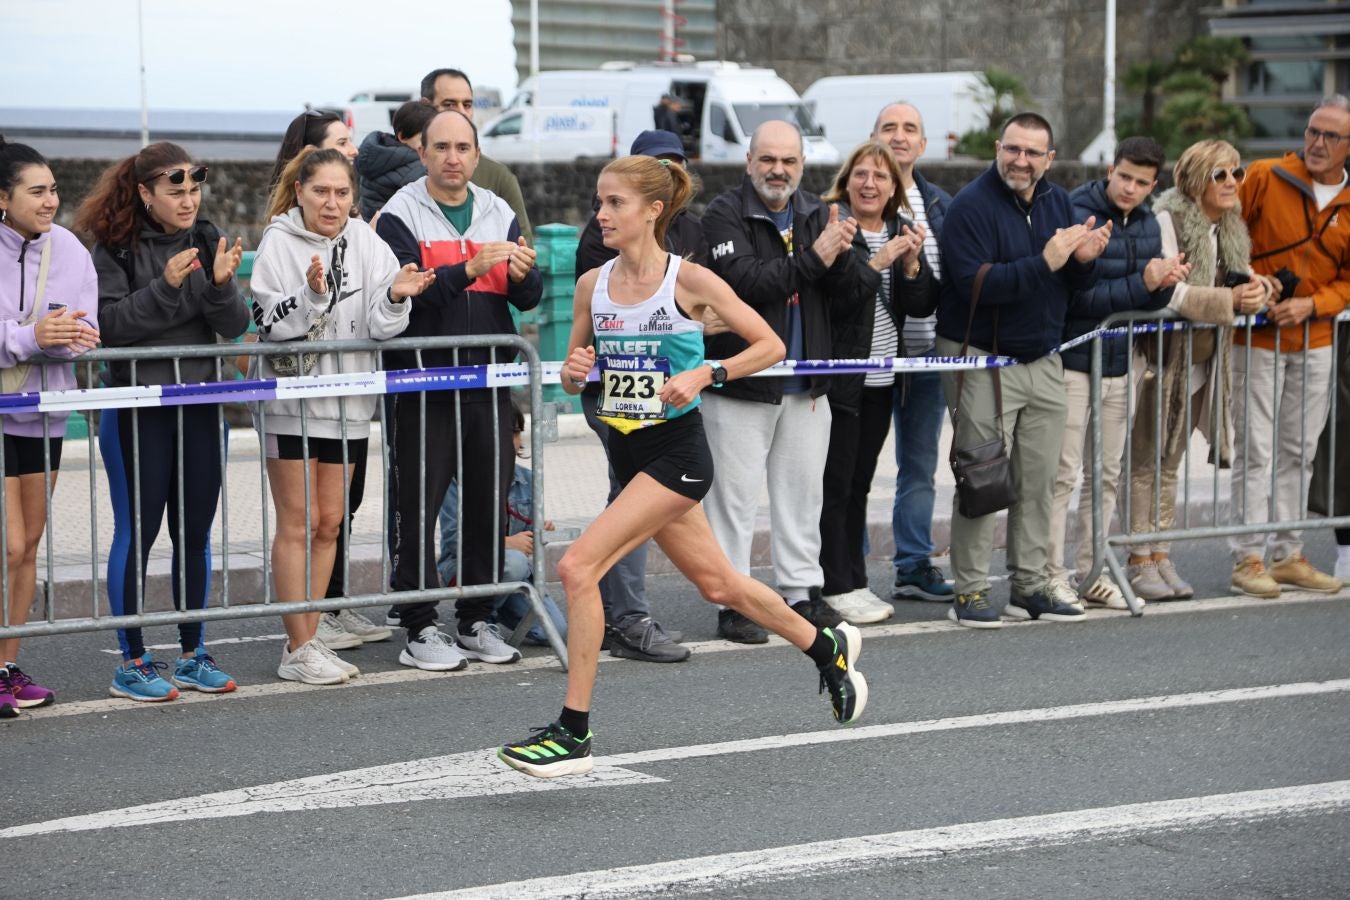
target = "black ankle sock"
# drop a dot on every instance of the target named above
(822, 648)
(578, 723)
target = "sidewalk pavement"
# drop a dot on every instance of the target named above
(575, 489)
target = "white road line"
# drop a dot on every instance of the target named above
(870, 632)
(245, 639)
(725, 872)
(478, 773)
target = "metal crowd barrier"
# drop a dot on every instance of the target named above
(230, 390)
(1155, 332)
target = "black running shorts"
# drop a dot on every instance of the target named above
(324, 450)
(23, 455)
(675, 453)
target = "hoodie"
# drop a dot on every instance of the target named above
(145, 311)
(71, 282)
(360, 269)
(385, 164)
(418, 232)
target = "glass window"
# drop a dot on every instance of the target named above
(1279, 122)
(752, 115)
(509, 125)
(718, 124)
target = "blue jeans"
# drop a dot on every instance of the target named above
(511, 608)
(919, 407)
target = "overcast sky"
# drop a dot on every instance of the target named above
(244, 54)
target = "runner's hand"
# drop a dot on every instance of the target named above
(578, 364)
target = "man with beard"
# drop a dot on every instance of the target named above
(787, 255)
(1022, 228)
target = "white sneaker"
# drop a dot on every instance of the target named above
(486, 644)
(859, 606)
(433, 651)
(345, 667)
(1060, 590)
(309, 665)
(334, 636)
(353, 622)
(1105, 593)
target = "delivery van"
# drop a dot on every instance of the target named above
(846, 106)
(550, 133)
(722, 103)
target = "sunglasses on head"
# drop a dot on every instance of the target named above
(178, 176)
(1221, 175)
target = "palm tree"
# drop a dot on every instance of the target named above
(1003, 94)
(1146, 79)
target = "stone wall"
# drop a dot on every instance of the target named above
(234, 197)
(1055, 46)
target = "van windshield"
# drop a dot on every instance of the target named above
(752, 115)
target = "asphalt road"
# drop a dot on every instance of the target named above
(1201, 750)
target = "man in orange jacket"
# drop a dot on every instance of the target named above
(1298, 212)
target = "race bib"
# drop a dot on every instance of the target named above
(630, 391)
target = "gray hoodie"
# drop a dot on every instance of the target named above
(360, 269)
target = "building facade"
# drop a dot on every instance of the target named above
(583, 34)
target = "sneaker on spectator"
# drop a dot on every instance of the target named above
(1060, 589)
(1104, 593)
(348, 670)
(432, 650)
(840, 676)
(28, 694)
(1181, 589)
(859, 606)
(549, 752)
(353, 622)
(734, 627)
(815, 610)
(1044, 603)
(138, 679)
(974, 610)
(640, 637)
(200, 673)
(1250, 577)
(484, 642)
(334, 636)
(1147, 582)
(923, 582)
(308, 664)
(1296, 571)
(9, 707)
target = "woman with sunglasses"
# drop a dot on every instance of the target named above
(1199, 217)
(318, 267)
(48, 306)
(165, 279)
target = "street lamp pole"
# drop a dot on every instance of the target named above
(534, 37)
(145, 109)
(1103, 146)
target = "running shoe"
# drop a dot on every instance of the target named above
(922, 582)
(1181, 588)
(816, 611)
(353, 622)
(847, 687)
(334, 635)
(27, 694)
(433, 651)
(9, 707)
(309, 665)
(642, 638)
(734, 627)
(974, 610)
(859, 606)
(200, 673)
(138, 679)
(1046, 604)
(549, 752)
(485, 642)
(1295, 571)
(347, 669)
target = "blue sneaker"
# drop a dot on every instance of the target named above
(974, 610)
(137, 680)
(923, 582)
(1044, 603)
(199, 673)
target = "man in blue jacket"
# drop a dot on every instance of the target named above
(1025, 230)
(918, 395)
(1132, 275)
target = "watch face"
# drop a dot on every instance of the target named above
(719, 375)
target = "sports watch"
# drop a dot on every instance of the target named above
(719, 374)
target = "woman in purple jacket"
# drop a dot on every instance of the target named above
(48, 309)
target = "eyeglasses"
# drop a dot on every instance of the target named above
(1012, 151)
(178, 176)
(1237, 173)
(1331, 137)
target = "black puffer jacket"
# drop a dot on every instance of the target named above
(748, 254)
(852, 333)
(384, 165)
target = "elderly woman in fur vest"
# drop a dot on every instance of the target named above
(1199, 217)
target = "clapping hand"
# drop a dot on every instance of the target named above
(521, 261)
(227, 261)
(63, 328)
(315, 277)
(410, 282)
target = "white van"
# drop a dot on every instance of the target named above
(846, 106)
(723, 103)
(552, 133)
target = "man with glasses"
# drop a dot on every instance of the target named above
(449, 90)
(1292, 207)
(1024, 229)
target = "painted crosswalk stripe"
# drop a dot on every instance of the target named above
(726, 872)
(478, 773)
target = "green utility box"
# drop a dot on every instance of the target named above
(556, 245)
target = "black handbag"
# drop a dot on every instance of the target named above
(983, 472)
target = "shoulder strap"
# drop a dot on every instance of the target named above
(965, 348)
(43, 265)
